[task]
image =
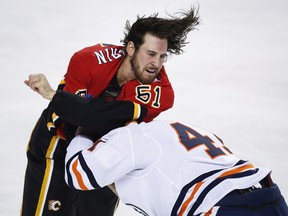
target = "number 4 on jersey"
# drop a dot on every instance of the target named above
(191, 139)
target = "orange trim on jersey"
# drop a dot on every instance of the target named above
(208, 213)
(186, 203)
(237, 170)
(78, 175)
(198, 185)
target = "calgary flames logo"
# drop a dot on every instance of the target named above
(54, 205)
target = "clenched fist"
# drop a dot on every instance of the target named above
(39, 83)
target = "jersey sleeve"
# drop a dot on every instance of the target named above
(83, 79)
(78, 76)
(100, 165)
(105, 162)
(76, 81)
(96, 114)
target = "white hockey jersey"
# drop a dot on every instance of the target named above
(160, 168)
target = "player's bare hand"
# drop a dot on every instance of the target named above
(40, 84)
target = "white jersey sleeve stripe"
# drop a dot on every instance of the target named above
(186, 188)
(202, 186)
(224, 182)
(186, 203)
(88, 172)
(78, 174)
(236, 170)
(68, 175)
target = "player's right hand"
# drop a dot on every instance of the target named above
(39, 84)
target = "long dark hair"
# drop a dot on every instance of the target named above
(174, 29)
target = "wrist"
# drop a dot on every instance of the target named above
(50, 95)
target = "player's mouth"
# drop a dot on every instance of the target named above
(151, 70)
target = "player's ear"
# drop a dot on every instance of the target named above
(130, 48)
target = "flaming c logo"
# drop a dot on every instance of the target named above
(54, 205)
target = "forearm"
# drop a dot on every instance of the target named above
(95, 114)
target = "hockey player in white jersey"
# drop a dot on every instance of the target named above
(168, 168)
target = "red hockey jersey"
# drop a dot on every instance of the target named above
(91, 70)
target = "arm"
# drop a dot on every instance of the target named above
(91, 166)
(94, 114)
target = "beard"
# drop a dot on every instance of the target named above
(140, 74)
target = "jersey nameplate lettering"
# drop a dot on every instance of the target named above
(108, 55)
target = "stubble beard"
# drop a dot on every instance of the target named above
(138, 73)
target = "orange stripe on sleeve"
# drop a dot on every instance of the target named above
(208, 213)
(237, 170)
(186, 203)
(78, 175)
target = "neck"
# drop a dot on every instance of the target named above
(125, 72)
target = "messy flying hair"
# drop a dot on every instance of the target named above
(174, 29)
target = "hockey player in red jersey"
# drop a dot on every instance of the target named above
(132, 72)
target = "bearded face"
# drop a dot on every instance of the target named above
(148, 59)
(145, 75)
